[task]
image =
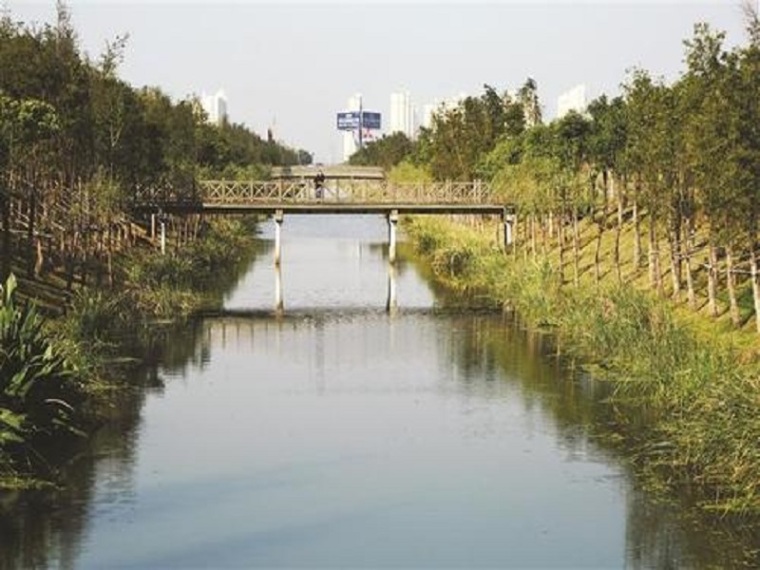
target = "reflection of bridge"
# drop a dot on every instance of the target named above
(346, 190)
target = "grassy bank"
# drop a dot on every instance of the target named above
(58, 375)
(695, 382)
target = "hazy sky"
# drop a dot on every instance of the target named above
(293, 65)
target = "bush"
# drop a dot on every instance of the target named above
(38, 393)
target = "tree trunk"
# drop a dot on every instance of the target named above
(5, 205)
(551, 225)
(576, 248)
(561, 242)
(598, 248)
(544, 235)
(533, 235)
(636, 236)
(39, 257)
(712, 280)
(657, 263)
(731, 286)
(755, 284)
(609, 190)
(618, 231)
(30, 256)
(675, 265)
(652, 252)
(688, 248)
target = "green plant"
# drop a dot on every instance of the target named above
(38, 394)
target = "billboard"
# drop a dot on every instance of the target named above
(350, 120)
(371, 120)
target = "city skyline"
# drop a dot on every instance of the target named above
(291, 66)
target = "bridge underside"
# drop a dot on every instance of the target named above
(334, 208)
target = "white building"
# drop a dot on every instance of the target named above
(440, 106)
(427, 114)
(573, 100)
(402, 114)
(215, 106)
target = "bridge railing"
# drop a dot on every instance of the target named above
(353, 192)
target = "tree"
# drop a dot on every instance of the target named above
(606, 144)
(387, 152)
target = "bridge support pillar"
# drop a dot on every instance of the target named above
(278, 217)
(509, 222)
(392, 221)
(163, 237)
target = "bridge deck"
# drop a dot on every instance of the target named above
(345, 208)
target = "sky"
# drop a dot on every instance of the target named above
(292, 65)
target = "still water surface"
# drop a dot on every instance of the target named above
(337, 434)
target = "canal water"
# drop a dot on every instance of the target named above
(370, 422)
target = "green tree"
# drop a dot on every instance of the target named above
(387, 152)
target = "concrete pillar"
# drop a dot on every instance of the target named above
(509, 221)
(392, 221)
(163, 237)
(278, 217)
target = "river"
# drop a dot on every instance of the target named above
(369, 422)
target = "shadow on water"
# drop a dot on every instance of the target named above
(39, 528)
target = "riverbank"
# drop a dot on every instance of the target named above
(60, 375)
(697, 383)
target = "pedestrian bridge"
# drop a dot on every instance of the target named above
(348, 191)
(336, 195)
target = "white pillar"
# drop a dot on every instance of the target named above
(392, 221)
(509, 220)
(278, 217)
(163, 237)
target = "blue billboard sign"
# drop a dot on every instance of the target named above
(371, 120)
(348, 121)
(351, 120)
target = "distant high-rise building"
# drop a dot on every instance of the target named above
(402, 114)
(428, 111)
(216, 107)
(573, 100)
(440, 106)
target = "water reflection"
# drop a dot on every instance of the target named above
(391, 305)
(279, 304)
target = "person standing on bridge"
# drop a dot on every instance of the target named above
(319, 183)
